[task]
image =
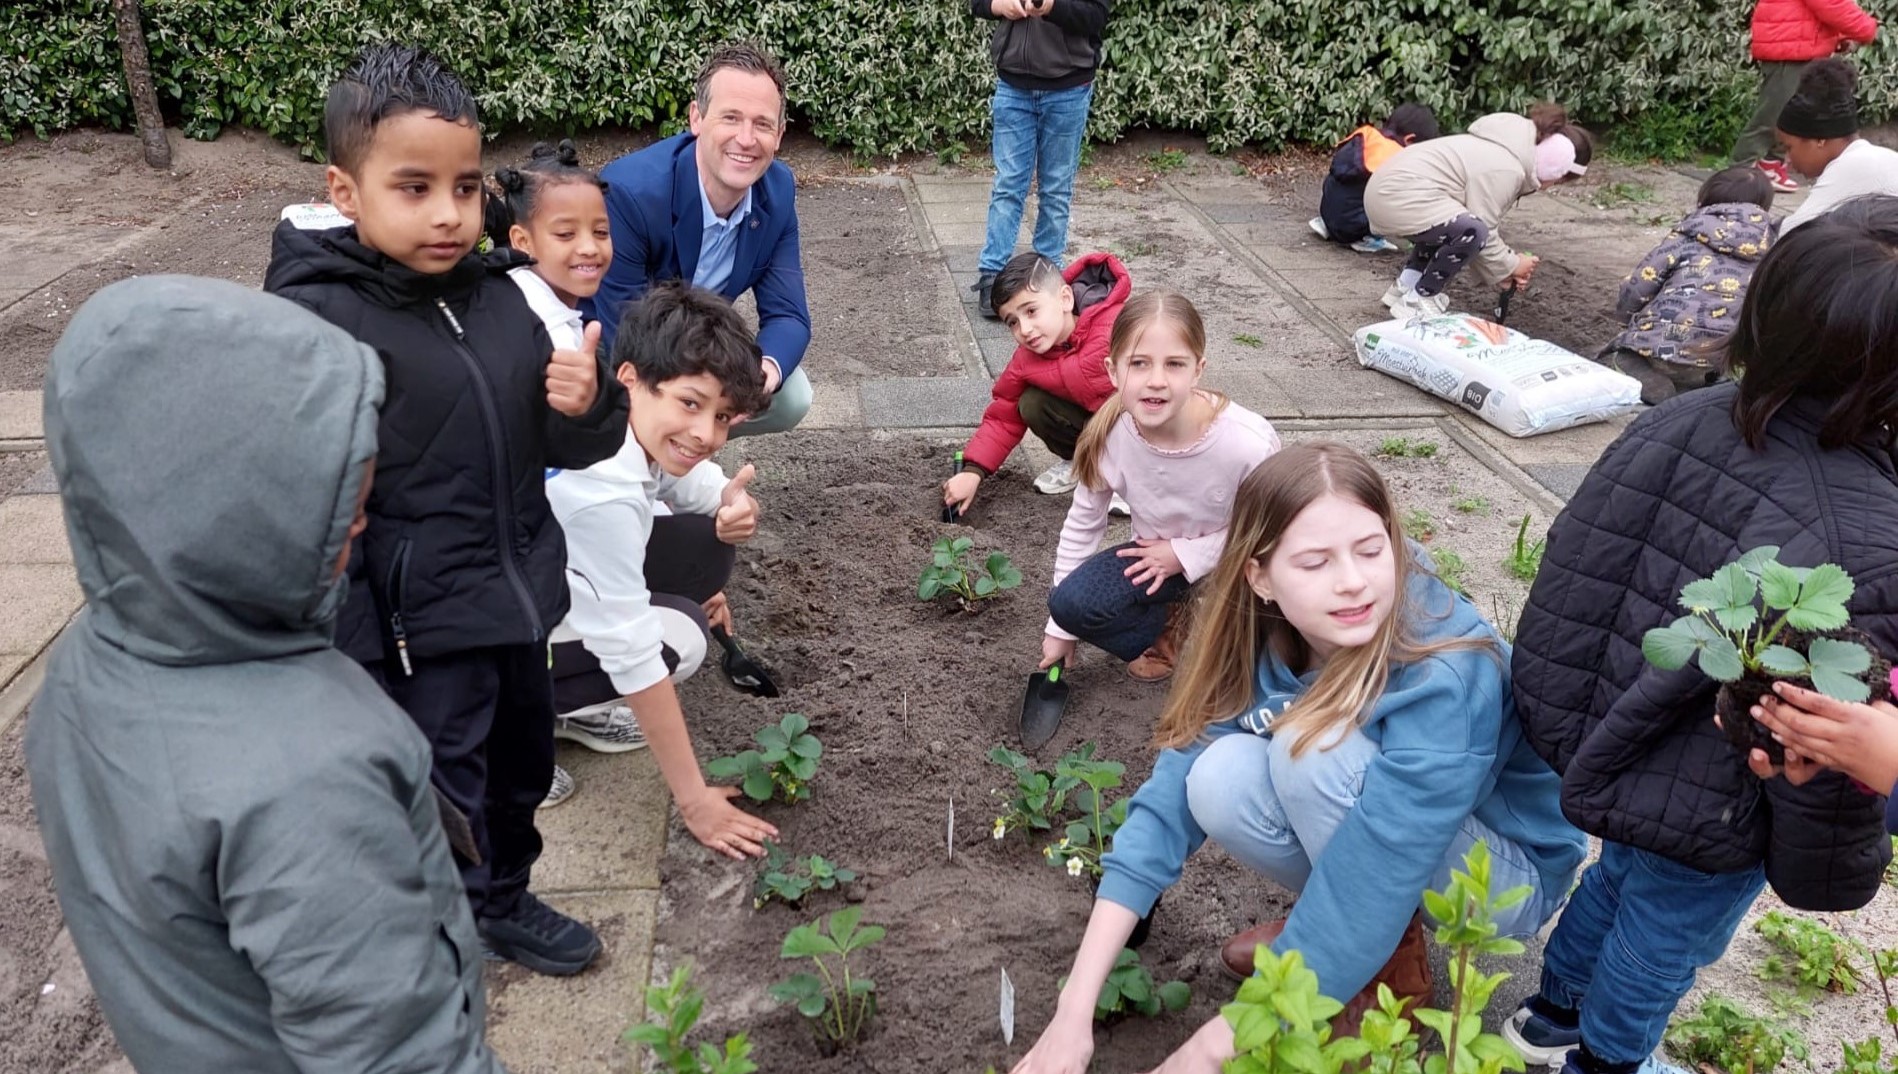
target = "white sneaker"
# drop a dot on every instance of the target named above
(1317, 224)
(1392, 296)
(603, 729)
(1415, 307)
(561, 790)
(1057, 480)
(1118, 506)
(1374, 244)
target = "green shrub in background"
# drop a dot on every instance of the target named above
(884, 78)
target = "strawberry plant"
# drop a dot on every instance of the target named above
(784, 763)
(1081, 849)
(953, 569)
(838, 1003)
(1722, 1035)
(788, 879)
(1809, 954)
(1038, 799)
(674, 1008)
(1130, 989)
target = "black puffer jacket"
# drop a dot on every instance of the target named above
(1675, 498)
(462, 551)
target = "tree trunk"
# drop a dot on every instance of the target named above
(138, 80)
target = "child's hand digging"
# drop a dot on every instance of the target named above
(736, 520)
(1525, 268)
(959, 491)
(573, 377)
(721, 826)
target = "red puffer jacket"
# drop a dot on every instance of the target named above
(1794, 31)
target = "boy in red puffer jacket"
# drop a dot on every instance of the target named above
(1057, 377)
(1788, 35)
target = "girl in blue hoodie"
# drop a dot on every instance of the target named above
(1343, 725)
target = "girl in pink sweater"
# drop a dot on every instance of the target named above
(1176, 453)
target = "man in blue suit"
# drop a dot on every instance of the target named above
(713, 207)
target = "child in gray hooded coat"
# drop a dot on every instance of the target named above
(1687, 292)
(239, 821)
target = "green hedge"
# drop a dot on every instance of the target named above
(885, 76)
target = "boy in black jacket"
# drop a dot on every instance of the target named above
(1046, 52)
(461, 573)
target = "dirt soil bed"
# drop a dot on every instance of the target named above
(908, 699)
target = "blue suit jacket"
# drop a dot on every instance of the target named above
(652, 203)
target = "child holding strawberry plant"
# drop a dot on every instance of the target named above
(1343, 725)
(1797, 454)
(1175, 453)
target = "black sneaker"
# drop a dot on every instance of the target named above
(539, 937)
(984, 286)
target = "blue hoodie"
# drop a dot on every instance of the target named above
(1450, 746)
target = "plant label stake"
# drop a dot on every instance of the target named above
(949, 840)
(1008, 1009)
(949, 513)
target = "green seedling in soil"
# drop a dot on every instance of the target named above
(1087, 838)
(1402, 447)
(1617, 194)
(838, 1003)
(1167, 160)
(1450, 568)
(1809, 954)
(783, 765)
(1723, 1035)
(789, 879)
(674, 1009)
(1525, 558)
(1730, 634)
(953, 569)
(1418, 525)
(1470, 505)
(1247, 339)
(1135, 248)
(1868, 1056)
(1038, 798)
(1281, 1023)
(1130, 989)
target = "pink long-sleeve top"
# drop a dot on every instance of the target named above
(1183, 496)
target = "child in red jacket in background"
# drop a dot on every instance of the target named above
(1788, 35)
(1057, 377)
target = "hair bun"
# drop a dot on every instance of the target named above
(1829, 78)
(567, 153)
(510, 180)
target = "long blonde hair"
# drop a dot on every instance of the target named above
(1232, 627)
(1140, 313)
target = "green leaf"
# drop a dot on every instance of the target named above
(961, 545)
(842, 923)
(1822, 599)
(928, 587)
(1720, 659)
(864, 937)
(1780, 660)
(1839, 686)
(984, 586)
(1668, 648)
(725, 767)
(1845, 657)
(943, 558)
(807, 746)
(806, 941)
(1754, 560)
(1175, 995)
(1731, 587)
(758, 785)
(804, 989)
(1008, 577)
(793, 724)
(1300, 1052)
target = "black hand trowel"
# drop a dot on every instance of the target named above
(744, 672)
(1042, 705)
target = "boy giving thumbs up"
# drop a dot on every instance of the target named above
(643, 583)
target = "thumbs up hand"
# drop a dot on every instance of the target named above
(573, 377)
(736, 520)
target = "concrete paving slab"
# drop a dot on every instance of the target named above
(973, 211)
(833, 406)
(40, 484)
(1566, 446)
(996, 353)
(572, 1025)
(924, 402)
(971, 233)
(1353, 392)
(612, 832)
(33, 530)
(1257, 392)
(10, 665)
(38, 599)
(20, 416)
(943, 190)
(1560, 478)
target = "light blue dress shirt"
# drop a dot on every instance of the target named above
(718, 243)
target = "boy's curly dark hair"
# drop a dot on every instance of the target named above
(678, 330)
(389, 80)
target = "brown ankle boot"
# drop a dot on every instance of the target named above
(1156, 664)
(1407, 972)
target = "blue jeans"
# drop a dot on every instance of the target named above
(1275, 814)
(1038, 133)
(1633, 936)
(1100, 606)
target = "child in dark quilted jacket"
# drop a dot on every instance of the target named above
(1687, 292)
(1340, 216)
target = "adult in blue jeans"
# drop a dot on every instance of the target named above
(1342, 725)
(1796, 453)
(1046, 53)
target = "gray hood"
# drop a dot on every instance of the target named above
(209, 443)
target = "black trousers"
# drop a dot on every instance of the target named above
(686, 565)
(488, 715)
(1057, 421)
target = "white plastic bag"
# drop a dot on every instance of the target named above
(1520, 385)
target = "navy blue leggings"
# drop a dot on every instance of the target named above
(1099, 605)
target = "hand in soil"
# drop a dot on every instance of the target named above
(1065, 1047)
(1154, 561)
(723, 827)
(1204, 1053)
(736, 520)
(718, 612)
(959, 491)
(573, 379)
(1055, 651)
(1858, 739)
